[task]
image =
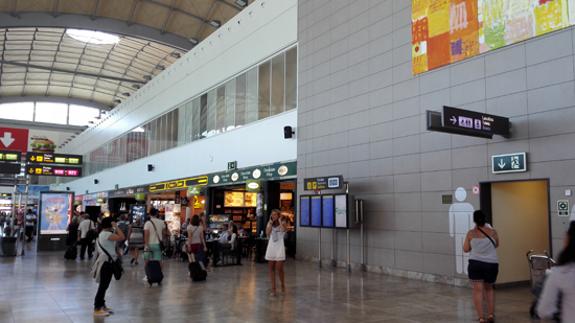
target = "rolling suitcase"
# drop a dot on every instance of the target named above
(71, 253)
(197, 270)
(154, 272)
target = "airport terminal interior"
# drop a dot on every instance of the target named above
(287, 161)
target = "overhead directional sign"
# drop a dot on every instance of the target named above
(62, 159)
(14, 139)
(509, 163)
(10, 156)
(63, 171)
(323, 183)
(482, 123)
(468, 123)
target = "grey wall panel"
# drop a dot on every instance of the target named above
(365, 118)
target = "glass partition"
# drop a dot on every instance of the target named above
(265, 90)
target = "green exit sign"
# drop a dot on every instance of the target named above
(232, 165)
(509, 163)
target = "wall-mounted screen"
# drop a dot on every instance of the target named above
(316, 211)
(447, 31)
(328, 211)
(55, 212)
(341, 211)
(304, 211)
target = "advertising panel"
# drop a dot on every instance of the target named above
(341, 211)
(447, 31)
(55, 212)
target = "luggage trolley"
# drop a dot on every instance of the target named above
(538, 266)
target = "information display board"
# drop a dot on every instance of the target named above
(316, 211)
(10, 156)
(304, 211)
(63, 171)
(341, 211)
(328, 211)
(55, 212)
(62, 159)
(138, 212)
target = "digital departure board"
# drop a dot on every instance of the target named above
(62, 171)
(328, 211)
(316, 211)
(60, 159)
(10, 156)
(304, 211)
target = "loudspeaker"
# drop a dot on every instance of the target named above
(67, 188)
(96, 181)
(288, 132)
(150, 167)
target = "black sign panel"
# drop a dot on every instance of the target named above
(10, 168)
(509, 163)
(63, 171)
(470, 122)
(10, 156)
(323, 183)
(60, 159)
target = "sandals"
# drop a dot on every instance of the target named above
(490, 319)
(482, 320)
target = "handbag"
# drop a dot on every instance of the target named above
(161, 242)
(117, 268)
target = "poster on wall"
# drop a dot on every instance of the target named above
(55, 212)
(447, 31)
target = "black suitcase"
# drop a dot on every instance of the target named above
(71, 253)
(154, 272)
(197, 270)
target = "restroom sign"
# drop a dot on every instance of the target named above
(563, 208)
(509, 163)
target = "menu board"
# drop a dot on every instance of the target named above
(234, 199)
(341, 211)
(251, 199)
(316, 211)
(304, 214)
(55, 212)
(328, 212)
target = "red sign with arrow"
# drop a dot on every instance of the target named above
(14, 139)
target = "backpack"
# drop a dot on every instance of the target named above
(92, 234)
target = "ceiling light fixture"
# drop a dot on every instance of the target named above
(215, 23)
(241, 3)
(194, 41)
(93, 37)
(136, 86)
(117, 101)
(175, 54)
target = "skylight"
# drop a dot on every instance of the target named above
(93, 37)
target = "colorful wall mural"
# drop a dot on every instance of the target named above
(447, 31)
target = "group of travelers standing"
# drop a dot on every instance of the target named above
(112, 239)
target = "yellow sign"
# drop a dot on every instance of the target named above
(178, 184)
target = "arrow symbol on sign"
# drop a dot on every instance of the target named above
(7, 140)
(453, 120)
(501, 164)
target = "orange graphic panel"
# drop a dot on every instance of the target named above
(439, 51)
(464, 29)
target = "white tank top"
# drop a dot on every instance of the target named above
(482, 249)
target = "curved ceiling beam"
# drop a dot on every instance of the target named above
(109, 25)
(55, 99)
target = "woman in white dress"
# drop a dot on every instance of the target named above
(275, 253)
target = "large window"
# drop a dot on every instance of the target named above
(17, 111)
(49, 112)
(265, 90)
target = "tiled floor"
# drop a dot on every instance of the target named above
(45, 288)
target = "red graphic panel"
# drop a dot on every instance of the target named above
(15, 139)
